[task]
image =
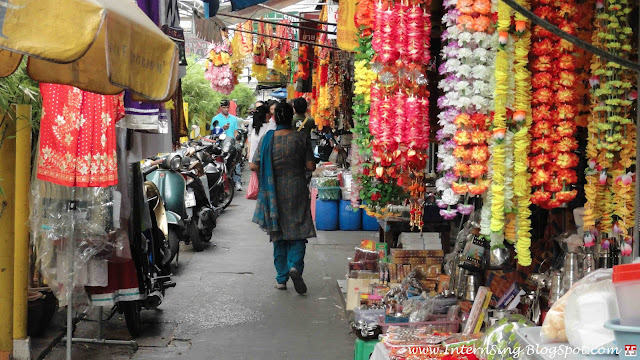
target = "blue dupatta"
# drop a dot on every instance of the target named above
(266, 213)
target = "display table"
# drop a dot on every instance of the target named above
(530, 337)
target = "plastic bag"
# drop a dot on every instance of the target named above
(553, 328)
(252, 190)
(500, 341)
(591, 304)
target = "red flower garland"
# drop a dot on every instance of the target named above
(554, 100)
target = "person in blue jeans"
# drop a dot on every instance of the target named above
(283, 207)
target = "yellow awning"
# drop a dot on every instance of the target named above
(102, 46)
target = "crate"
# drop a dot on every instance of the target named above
(329, 193)
(438, 323)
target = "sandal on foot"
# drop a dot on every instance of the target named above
(298, 283)
(280, 286)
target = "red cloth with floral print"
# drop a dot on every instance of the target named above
(77, 137)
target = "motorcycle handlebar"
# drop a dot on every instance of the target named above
(150, 169)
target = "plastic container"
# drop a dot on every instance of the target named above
(627, 339)
(626, 280)
(369, 223)
(327, 215)
(350, 217)
(346, 193)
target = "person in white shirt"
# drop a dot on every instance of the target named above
(260, 125)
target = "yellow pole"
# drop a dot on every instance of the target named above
(7, 212)
(23, 178)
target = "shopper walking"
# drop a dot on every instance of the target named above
(283, 209)
(258, 128)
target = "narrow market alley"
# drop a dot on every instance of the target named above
(225, 307)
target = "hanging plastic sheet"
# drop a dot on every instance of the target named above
(92, 229)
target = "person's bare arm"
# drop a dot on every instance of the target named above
(254, 167)
(310, 165)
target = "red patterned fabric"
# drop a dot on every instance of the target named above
(77, 137)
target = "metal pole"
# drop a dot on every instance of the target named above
(277, 23)
(71, 208)
(295, 16)
(636, 233)
(281, 38)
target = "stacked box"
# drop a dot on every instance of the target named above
(404, 261)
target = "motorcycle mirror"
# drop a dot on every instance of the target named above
(208, 127)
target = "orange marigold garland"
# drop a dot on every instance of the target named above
(555, 108)
(259, 68)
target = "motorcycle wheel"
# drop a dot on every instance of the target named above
(174, 243)
(227, 193)
(194, 236)
(131, 310)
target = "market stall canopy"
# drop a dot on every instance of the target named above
(102, 46)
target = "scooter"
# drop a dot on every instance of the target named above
(149, 250)
(184, 212)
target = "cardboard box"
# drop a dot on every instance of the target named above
(354, 288)
(432, 271)
(402, 253)
(383, 250)
(368, 245)
(443, 282)
(417, 260)
(420, 241)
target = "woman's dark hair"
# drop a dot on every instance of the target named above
(284, 115)
(260, 117)
(300, 105)
(215, 122)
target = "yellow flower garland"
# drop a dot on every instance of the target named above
(522, 141)
(500, 125)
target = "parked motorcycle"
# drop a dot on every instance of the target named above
(190, 216)
(149, 249)
(211, 153)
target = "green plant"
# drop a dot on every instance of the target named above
(18, 88)
(204, 102)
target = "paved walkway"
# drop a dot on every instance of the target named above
(225, 307)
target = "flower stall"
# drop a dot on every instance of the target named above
(535, 168)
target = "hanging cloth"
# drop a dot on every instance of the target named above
(77, 137)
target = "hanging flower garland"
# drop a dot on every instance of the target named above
(260, 54)
(241, 48)
(555, 108)
(466, 105)
(322, 109)
(218, 71)
(283, 51)
(610, 189)
(521, 143)
(499, 157)
(399, 115)
(302, 72)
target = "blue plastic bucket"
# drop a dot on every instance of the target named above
(369, 223)
(327, 215)
(350, 217)
(627, 339)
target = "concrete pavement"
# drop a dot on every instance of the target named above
(225, 307)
